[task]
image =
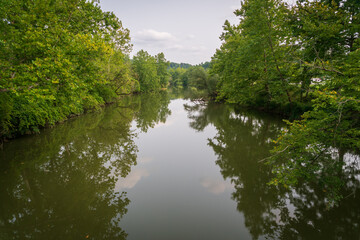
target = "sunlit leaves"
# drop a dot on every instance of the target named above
(50, 59)
(145, 67)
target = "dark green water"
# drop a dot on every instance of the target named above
(160, 167)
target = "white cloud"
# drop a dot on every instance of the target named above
(151, 36)
(173, 46)
(164, 124)
(198, 48)
(176, 47)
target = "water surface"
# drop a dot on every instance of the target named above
(161, 167)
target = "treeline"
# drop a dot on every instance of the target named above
(179, 65)
(196, 78)
(151, 71)
(61, 58)
(296, 59)
(205, 65)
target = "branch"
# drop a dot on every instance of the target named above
(274, 154)
(321, 67)
(19, 89)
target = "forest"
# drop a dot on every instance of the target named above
(60, 59)
(301, 61)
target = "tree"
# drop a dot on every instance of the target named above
(198, 77)
(162, 66)
(50, 52)
(271, 60)
(314, 147)
(145, 68)
(251, 63)
(176, 77)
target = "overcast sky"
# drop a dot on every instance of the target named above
(185, 31)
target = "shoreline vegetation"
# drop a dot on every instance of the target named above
(301, 59)
(62, 58)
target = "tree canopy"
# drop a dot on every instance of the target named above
(301, 59)
(61, 58)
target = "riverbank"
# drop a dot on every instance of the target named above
(37, 128)
(149, 152)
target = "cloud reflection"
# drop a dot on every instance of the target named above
(132, 179)
(164, 124)
(215, 186)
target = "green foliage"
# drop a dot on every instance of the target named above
(68, 176)
(173, 65)
(146, 71)
(314, 148)
(117, 70)
(178, 77)
(153, 109)
(76, 179)
(162, 66)
(292, 60)
(270, 212)
(250, 62)
(196, 78)
(58, 58)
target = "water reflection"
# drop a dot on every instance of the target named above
(215, 186)
(132, 179)
(65, 183)
(69, 181)
(153, 109)
(242, 139)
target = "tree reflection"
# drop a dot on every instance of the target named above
(61, 183)
(152, 109)
(242, 140)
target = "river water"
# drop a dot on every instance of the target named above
(160, 166)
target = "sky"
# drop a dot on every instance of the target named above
(185, 31)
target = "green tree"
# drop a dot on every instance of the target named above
(251, 62)
(162, 66)
(314, 147)
(271, 59)
(145, 68)
(49, 58)
(176, 77)
(198, 77)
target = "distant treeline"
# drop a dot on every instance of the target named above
(197, 78)
(173, 65)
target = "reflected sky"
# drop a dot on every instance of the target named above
(149, 167)
(185, 195)
(131, 180)
(216, 186)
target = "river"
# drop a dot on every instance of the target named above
(160, 166)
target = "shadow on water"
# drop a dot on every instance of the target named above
(60, 184)
(242, 140)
